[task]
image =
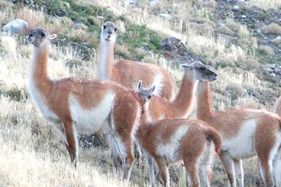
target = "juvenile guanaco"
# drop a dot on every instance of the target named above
(169, 141)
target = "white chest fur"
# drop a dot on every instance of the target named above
(38, 98)
(91, 119)
(170, 151)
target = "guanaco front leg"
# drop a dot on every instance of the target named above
(71, 141)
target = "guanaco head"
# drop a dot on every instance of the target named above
(199, 71)
(109, 32)
(39, 37)
(144, 93)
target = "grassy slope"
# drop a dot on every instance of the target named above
(33, 147)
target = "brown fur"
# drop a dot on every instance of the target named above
(229, 122)
(191, 146)
(127, 72)
(55, 95)
(180, 107)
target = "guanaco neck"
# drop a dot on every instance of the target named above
(106, 60)
(183, 103)
(204, 109)
(38, 72)
(145, 124)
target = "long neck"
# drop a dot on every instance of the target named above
(145, 126)
(183, 103)
(106, 59)
(38, 72)
(204, 107)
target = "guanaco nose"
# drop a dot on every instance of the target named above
(28, 38)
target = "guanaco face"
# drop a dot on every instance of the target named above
(200, 71)
(39, 37)
(109, 32)
(145, 93)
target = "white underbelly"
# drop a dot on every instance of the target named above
(170, 151)
(91, 119)
(243, 144)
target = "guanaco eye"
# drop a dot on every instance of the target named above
(115, 30)
(104, 27)
(42, 34)
(149, 97)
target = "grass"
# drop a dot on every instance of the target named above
(266, 5)
(42, 161)
(32, 144)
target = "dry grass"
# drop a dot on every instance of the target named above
(34, 18)
(35, 155)
(29, 159)
(272, 28)
(34, 146)
(264, 4)
(31, 153)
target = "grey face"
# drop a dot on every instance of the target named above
(109, 32)
(200, 71)
(145, 93)
(37, 36)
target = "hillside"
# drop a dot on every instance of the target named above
(240, 40)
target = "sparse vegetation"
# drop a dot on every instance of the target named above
(231, 46)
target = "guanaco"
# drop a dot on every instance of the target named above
(169, 141)
(277, 160)
(182, 105)
(127, 72)
(83, 105)
(245, 132)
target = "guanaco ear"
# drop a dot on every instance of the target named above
(152, 89)
(52, 36)
(139, 85)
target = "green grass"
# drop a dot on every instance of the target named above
(136, 36)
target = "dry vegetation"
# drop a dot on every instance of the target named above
(273, 4)
(32, 153)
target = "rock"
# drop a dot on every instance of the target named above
(79, 25)
(154, 3)
(166, 16)
(17, 26)
(236, 7)
(271, 71)
(176, 51)
(277, 40)
(61, 13)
